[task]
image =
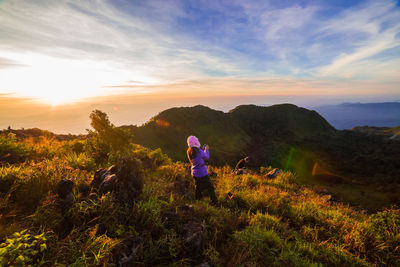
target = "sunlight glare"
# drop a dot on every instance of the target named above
(58, 81)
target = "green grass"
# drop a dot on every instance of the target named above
(271, 222)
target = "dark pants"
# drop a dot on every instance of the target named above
(203, 183)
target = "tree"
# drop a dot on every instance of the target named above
(112, 138)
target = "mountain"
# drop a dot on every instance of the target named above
(283, 136)
(170, 129)
(349, 115)
(231, 135)
(286, 120)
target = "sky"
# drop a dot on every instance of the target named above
(61, 59)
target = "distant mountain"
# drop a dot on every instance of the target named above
(284, 136)
(349, 115)
(36, 132)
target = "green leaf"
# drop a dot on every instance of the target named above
(3, 251)
(20, 259)
(43, 247)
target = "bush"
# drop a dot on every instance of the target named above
(115, 139)
(158, 157)
(23, 249)
(12, 151)
(80, 161)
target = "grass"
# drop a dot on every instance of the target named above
(363, 196)
(267, 222)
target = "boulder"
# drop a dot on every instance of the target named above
(124, 180)
(274, 173)
(65, 193)
(102, 174)
(126, 253)
(195, 235)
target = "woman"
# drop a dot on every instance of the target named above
(196, 157)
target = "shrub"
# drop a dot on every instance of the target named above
(12, 151)
(80, 161)
(23, 249)
(159, 157)
(113, 138)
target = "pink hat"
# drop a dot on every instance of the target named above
(193, 141)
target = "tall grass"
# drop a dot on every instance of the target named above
(264, 222)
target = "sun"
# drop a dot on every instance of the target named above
(56, 100)
(57, 81)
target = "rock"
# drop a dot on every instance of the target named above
(102, 174)
(274, 173)
(108, 184)
(84, 191)
(205, 264)
(64, 188)
(195, 235)
(126, 252)
(123, 179)
(65, 193)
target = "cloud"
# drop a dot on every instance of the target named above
(7, 63)
(136, 37)
(172, 42)
(313, 40)
(251, 86)
(374, 26)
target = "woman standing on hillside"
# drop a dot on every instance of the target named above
(196, 157)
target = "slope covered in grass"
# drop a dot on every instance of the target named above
(169, 130)
(386, 132)
(287, 137)
(266, 222)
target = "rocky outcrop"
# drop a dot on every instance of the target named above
(124, 180)
(65, 193)
(274, 173)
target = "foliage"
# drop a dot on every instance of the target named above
(169, 130)
(12, 151)
(108, 137)
(22, 249)
(284, 136)
(261, 222)
(80, 161)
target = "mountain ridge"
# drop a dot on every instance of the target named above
(283, 135)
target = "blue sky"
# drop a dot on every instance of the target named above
(164, 42)
(64, 51)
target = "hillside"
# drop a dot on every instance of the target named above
(230, 134)
(148, 216)
(285, 136)
(170, 128)
(385, 132)
(287, 121)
